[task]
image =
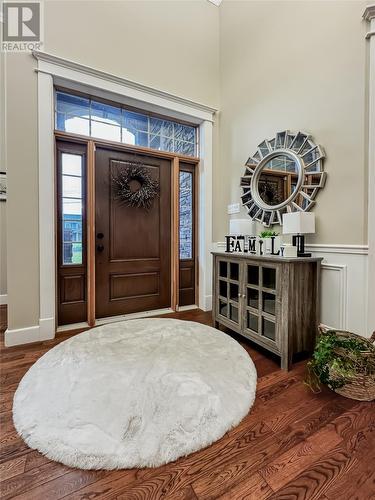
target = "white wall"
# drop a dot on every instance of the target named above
(296, 65)
(3, 250)
(172, 46)
(302, 66)
(3, 254)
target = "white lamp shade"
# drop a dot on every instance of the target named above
(299, 223)
(243, 227)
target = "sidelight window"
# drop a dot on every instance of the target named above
(72, 205)
(86, 116)
(186, 215)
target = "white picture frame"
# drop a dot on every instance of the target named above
(3, 186)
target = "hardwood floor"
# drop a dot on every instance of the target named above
(293, 445)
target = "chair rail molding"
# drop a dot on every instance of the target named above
(350, 249)
(53, 70)
(323, 247)
(369, 18)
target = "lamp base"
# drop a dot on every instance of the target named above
(303, 254)
(299, 242)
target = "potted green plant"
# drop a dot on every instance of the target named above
(345, 362)
(267, 236)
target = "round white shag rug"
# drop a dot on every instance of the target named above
(136, 393)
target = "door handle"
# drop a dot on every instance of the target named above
(100, 236)
(100, 248)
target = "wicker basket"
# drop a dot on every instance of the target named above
(361, 387)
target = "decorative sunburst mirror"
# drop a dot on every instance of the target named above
(284, 175)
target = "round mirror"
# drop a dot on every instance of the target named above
(284, 174)
(278, 180)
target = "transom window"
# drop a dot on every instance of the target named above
(85, 116)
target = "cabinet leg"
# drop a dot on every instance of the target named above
(286, 362)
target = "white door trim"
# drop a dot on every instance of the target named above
(54, 70)
(79, 73)
(369, 17)
(47, 260)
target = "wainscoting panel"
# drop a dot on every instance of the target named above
(344, 287)
(333, 292)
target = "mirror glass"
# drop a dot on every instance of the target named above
(278, 180)
(285, 173)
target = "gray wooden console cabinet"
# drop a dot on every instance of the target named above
(271, 300)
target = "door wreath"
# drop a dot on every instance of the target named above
(142, 196)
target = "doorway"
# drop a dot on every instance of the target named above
(114, 258)
(133, 243)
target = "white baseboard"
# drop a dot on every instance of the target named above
(47, 328)
(207, 303)
(21, 336)
(3, 299)
(44, 331)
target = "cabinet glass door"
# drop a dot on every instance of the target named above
(228, 276)
(260, 300)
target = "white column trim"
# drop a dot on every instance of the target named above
(369, 13)
(46, 203)
(205, 217)
(369, 16)
(45, 330)
(52, 69)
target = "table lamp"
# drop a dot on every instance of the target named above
(244, 227)
(298, 224)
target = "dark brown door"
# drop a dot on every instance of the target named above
(133, 245)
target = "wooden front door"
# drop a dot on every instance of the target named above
(133, 245)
